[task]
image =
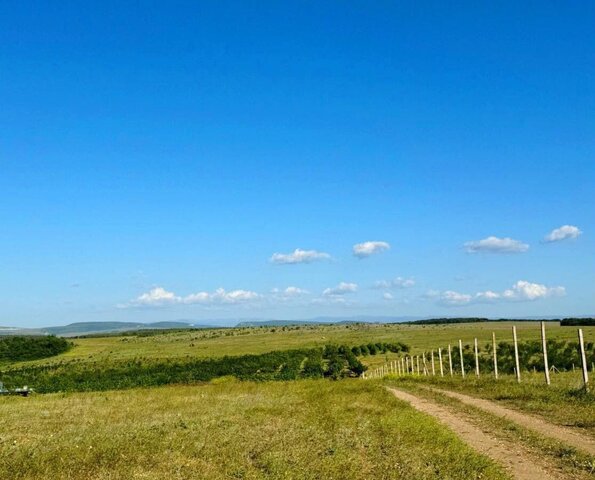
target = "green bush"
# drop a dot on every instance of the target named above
(121, 374)
(17, 348)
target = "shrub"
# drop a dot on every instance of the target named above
(17, 348)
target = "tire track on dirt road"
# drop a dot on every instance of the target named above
(563, 434)
(514, 458)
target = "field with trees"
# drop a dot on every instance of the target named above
(289, 402)
(220, 342)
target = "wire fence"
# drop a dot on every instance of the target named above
(494, 358)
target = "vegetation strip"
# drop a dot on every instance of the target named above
(19, 348)
(331, 361)
(560, 433)
(522, 467)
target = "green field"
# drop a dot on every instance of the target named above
(226, 428)
(220, 342)
(300, 430)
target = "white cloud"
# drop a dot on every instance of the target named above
(288, 293)
(487, 297)
(298, 256)
(159, 297)
(452, 298)
(221, 296)
(294, 292)
(365, 249)
(523, 290)
(387, 296)
(496, 245)
(156, 297)
(519, 292)
(398, 282)
(562, 233)
(341, 289)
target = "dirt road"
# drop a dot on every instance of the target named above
(521, 464)
(564, 434)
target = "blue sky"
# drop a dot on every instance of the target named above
(156, 156)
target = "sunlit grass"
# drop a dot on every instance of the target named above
(220, 342)
(349, 429)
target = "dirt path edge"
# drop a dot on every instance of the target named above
(513, 458)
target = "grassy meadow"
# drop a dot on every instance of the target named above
(242, 341)
(309, 429)
(221, 427)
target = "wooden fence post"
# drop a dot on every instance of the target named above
(417, 361)
(425, 364)
(433, 368)
(583, 358)
(403, 365)
(406, 364)
(450, 359)
(440, 360)
(476, 358)
(516, 355)
(462, 362)
(546, 366)
(495, 352)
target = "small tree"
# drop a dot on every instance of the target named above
(335, 367)
(313, 367)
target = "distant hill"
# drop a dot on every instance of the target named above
(98, 328)
(90, 328)
(323, 321)
(275, 323)
(9, 331)
(85, 328)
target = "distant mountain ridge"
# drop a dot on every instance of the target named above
(83, 328)
(87, 328)
(90, 328)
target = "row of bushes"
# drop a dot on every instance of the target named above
(450, 320)
(17, 348)
(379, 347)
(577, 322)
(331, 361)
(561, 354)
